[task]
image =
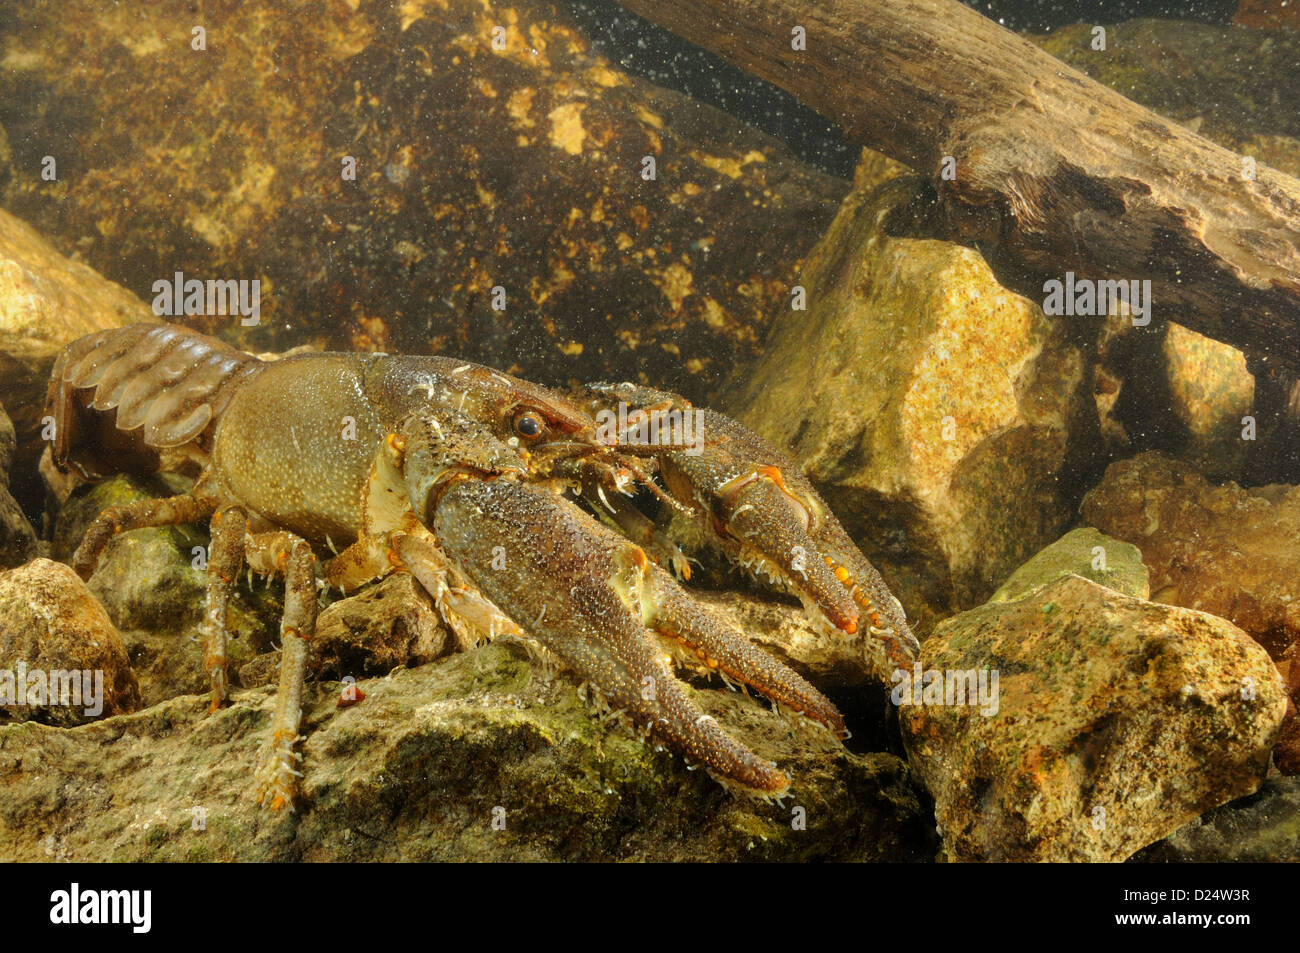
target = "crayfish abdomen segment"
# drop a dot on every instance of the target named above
(123, 397)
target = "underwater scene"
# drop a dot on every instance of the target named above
(663, 430)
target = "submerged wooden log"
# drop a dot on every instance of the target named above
(1050, 171)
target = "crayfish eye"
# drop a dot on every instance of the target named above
(528, 424)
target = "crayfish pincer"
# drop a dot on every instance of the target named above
(336, 469)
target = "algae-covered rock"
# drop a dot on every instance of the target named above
(1112, 722)
(151, 584)
(480, 757)
(1081, 552)
(61, 660)
(936, 411)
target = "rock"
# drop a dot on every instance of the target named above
(46, 300)
(1170, 389)
(17, 537)
(423, 766)
(939, 414)
(1117, 720)
(148, 582)
(1081, 552)
(1221, 549)
(1286, 753)
(61, 660)
(1211, 392)
(1261, 828)
(392, 624)
(475, 168)
(8, 443)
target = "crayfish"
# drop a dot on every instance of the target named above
(513, 505)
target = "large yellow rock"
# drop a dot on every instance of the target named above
(936, 410)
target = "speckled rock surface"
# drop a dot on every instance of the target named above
(1263, 827)
(1118, 720)
(47, 299)
(1211, 392)
(50, 626)
(936, 411)
(1222, 549)
(479, 757)
(1082, 552)
(476, 168)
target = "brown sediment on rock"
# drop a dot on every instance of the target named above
(476, 168)
(1267, 15)
(1221, 549)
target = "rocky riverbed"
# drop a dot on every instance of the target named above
(1094, 543)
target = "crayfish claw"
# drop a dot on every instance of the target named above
(600, 604)
(759, 509)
